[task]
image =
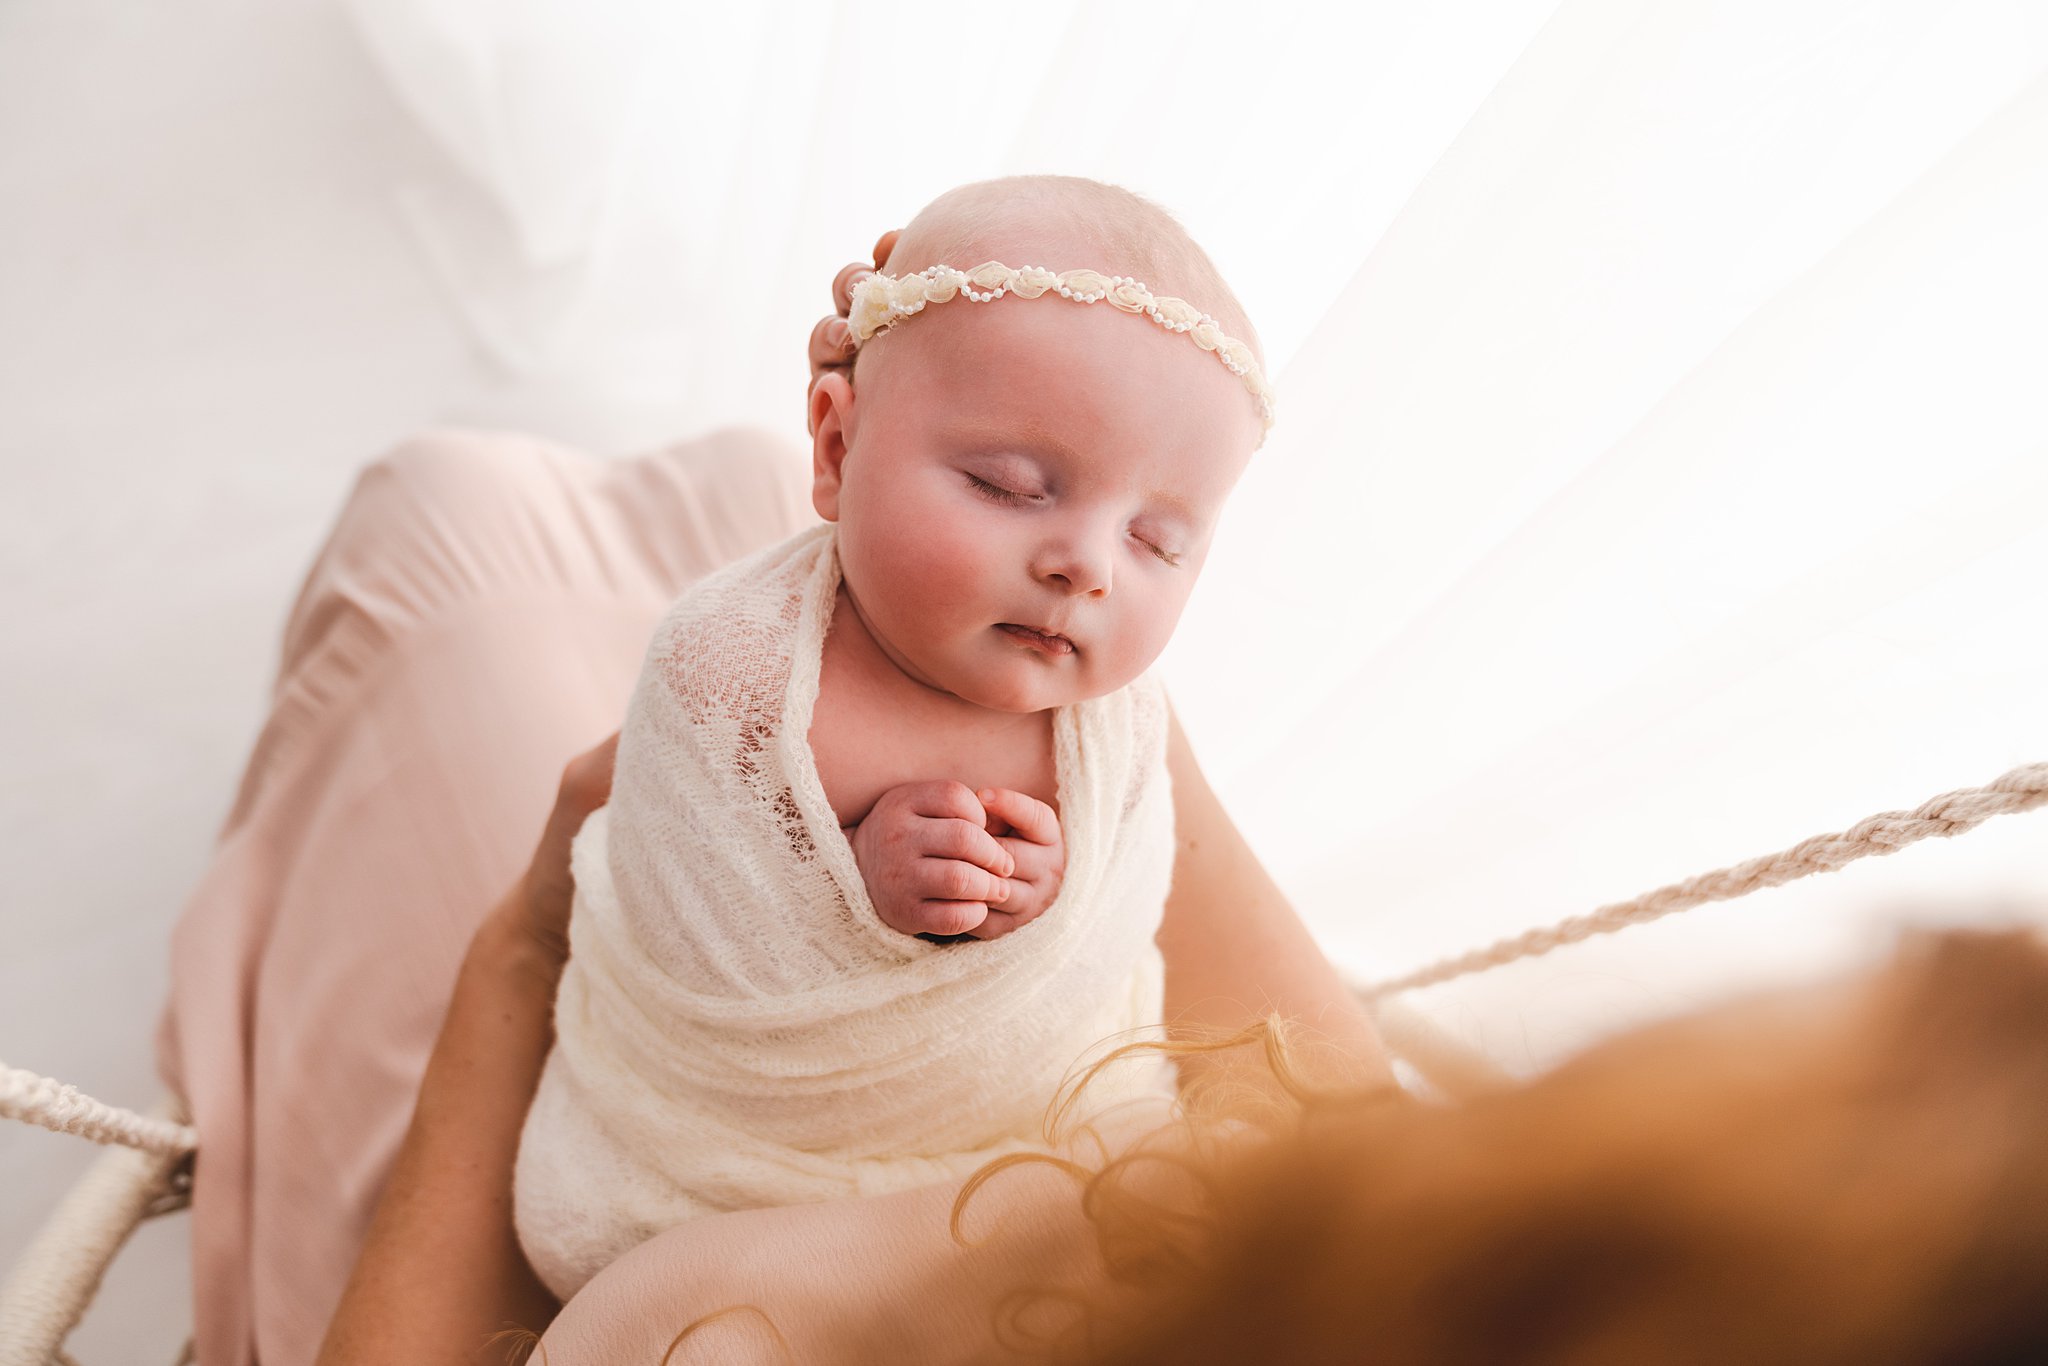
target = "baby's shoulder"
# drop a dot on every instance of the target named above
(723, 645)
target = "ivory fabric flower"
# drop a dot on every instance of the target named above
(1086, 281)
(907, 294)
(988, 275)
(880, 301)
(1130, 296)
(1032, 281)
(868, 310)
(1176, 310)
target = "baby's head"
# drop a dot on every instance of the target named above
(1034, 462)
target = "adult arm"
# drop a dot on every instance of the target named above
(854, 1281)
(845, 1282)
(441, 1268)
(1234, 947)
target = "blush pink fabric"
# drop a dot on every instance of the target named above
(476, 618)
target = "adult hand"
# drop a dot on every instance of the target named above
(831, 343)
(545, 891)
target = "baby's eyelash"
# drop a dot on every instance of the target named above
(1009, 497)
(997, 493)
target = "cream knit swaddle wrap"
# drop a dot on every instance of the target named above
(736, 1026)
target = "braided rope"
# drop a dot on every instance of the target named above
(56, 1277)
(42, 1100)
(48, 1292)
(1951, 813)
(36, 1099)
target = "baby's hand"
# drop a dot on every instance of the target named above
(1030, 833)
(933, 866)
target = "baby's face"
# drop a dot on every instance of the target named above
(1028, 463)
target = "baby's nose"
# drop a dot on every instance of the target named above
(1076, 571)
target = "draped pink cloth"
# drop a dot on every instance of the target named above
(475, 619)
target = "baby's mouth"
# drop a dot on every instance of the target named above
(1051, 644)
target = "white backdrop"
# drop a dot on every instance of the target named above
(1661, 476)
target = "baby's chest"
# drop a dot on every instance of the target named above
(864, 748)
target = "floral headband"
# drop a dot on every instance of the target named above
(881, 301)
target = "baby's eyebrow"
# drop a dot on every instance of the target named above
(1038, 441)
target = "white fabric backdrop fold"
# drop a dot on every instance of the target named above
(1662, 468)
(1658, 480)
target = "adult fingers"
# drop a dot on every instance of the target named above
(850, 274)
(831, 346)
(831, 349)
(587, 780)
(1027, 815)
(548, 883)
(853, 272)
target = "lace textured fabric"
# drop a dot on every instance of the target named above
(736, 1026)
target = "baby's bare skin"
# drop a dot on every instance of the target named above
(937, 858)
(905, 827)
(1006, 474)
(942, 860)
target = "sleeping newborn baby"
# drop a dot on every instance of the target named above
(810, 950)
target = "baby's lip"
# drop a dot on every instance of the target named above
(1041, 630)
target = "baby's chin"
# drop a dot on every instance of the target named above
(1017, 692)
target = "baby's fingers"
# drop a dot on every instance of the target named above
(967, 841)
(1028, 816)
(946, 879)
(1036, 863)
(947, 918)
(999, 923)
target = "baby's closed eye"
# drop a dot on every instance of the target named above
(1012, 498)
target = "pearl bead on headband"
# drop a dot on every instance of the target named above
(881, 301)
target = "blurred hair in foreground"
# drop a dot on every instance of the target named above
(1855, 1172)
(1852, 1173)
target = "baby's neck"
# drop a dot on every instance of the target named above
(875, 728)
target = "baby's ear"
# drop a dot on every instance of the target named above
(831, 408)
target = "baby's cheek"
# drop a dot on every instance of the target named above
(1142, 636)
(945, 571)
